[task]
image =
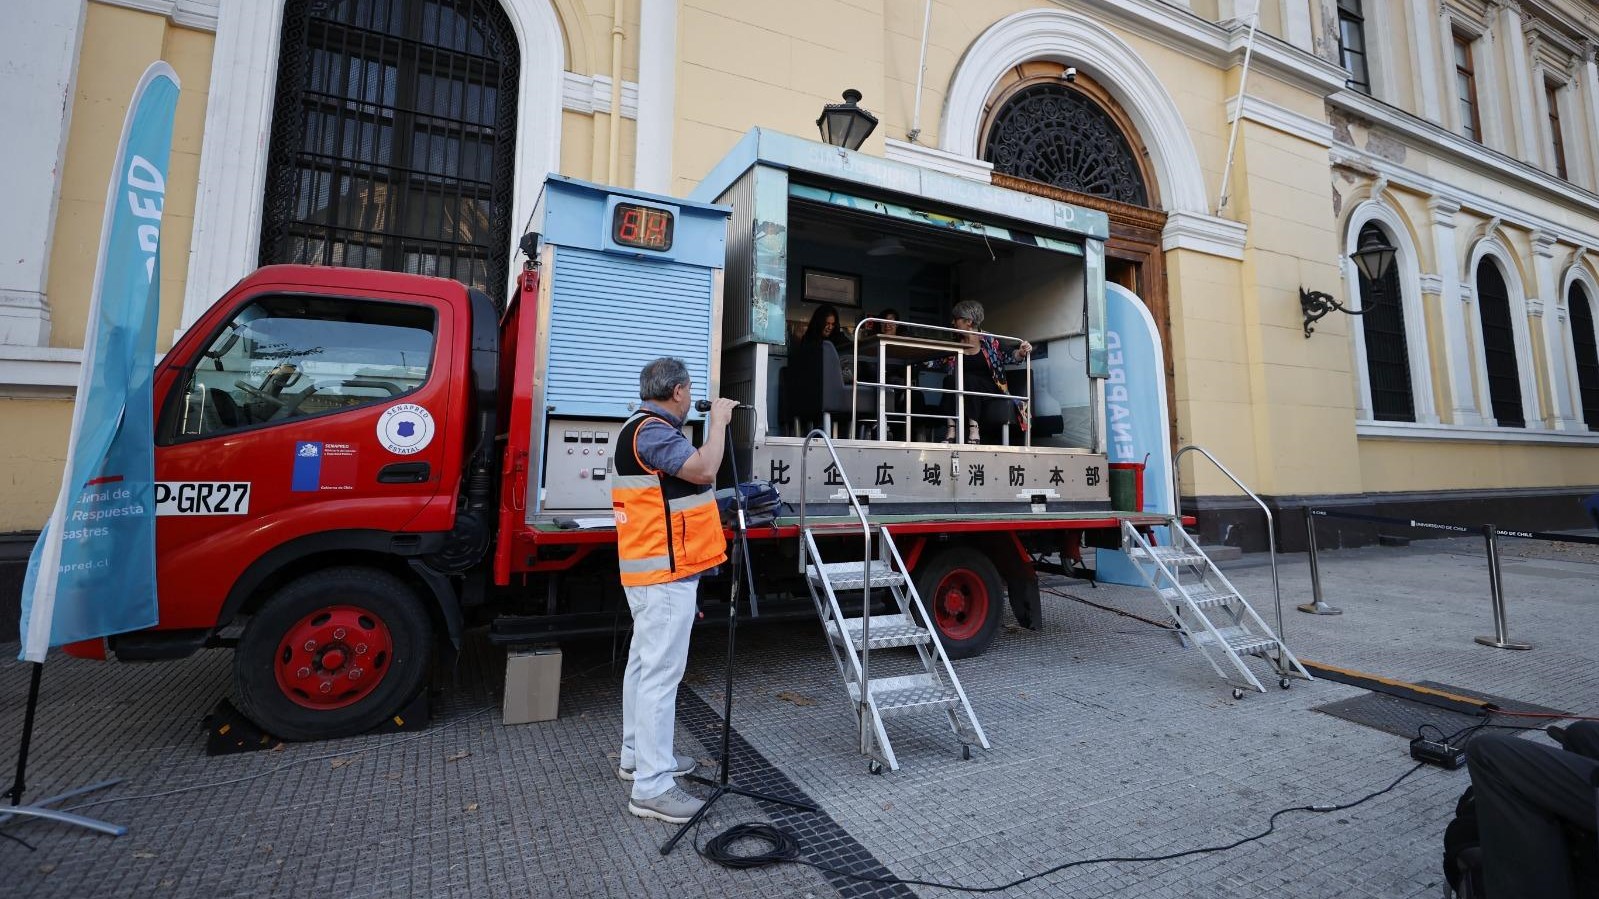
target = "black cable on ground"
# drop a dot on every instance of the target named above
(719, 848)
(782, 841)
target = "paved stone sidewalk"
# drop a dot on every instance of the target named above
(1108, 740)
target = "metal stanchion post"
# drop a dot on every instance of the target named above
(1501, 637)
(1315, 606)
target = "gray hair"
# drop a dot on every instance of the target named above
(968, 309)
(660, 378)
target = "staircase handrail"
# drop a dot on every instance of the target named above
(1271, 528)
(866, 555)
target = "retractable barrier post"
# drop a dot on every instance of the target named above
(1315, 606)
(1501, 637)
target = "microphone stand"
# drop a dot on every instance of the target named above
(741, 571)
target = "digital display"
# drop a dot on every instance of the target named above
(642, 227)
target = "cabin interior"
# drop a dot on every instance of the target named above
(864, 264)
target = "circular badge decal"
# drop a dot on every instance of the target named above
(405, 429)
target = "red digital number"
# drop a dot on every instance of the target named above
(628, 230)
(655, 229)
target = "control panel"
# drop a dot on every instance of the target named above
(577, 464)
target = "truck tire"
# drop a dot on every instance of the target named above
(332, 654)
(964, 593)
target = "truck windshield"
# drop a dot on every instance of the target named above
(291, 357)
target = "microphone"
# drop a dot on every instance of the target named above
(705, 406)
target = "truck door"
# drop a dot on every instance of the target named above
(298, 416)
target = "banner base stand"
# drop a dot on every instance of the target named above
(42, 810)
(229, 731)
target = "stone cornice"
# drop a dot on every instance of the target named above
(200, 15)
(1219, 44)
(1435, 140)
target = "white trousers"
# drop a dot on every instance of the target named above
(663, 615)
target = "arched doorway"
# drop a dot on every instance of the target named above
(1066, 137)
(393, 138)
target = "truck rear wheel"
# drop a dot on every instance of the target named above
(962, 591)
(332, 654)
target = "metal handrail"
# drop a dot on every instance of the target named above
(960, 380)
(866, 569)
(1271, 529)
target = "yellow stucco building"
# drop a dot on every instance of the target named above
(1239, 166)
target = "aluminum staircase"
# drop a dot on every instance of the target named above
(1207, 609)
(925, 683)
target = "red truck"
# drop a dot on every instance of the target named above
(355, 466)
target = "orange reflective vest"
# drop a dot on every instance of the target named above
(667, 529)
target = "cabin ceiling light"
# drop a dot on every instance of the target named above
(1374, 258)
(846, 124)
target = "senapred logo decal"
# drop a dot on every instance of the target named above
(405, 429)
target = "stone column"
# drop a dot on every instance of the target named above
(1457, 356)
(38, 76)
(657, 95)
(1296, 24)
(1424, 56)
(238, 123)
(1588, 122)
(1548, 312)
(1523, 100)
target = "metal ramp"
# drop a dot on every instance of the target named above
(926, 683)
(1207, 609)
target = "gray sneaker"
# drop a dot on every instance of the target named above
(674, 806)
(681, 765)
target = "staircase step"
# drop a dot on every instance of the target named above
(887, 631)
(851, 575)
(1202, 597)
(1171, 555)
(1219, 552)
(1248, 644)
(909, 693)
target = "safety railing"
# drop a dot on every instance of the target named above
(866, 555)
(1491, 536)
(1271, 530)
(941, 349)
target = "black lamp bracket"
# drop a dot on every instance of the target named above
(1316, 304)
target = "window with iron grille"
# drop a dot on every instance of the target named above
(1387, 350)
(1499, 346)
(1583, 341)
(392, 139)
(1060, 136)
(1352, 44)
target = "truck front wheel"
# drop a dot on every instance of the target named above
(332, 654)
(963, 591)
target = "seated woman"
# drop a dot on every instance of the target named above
(887, 328)
(982, 365)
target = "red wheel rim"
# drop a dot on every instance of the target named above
(333, 657)
(960, 604)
